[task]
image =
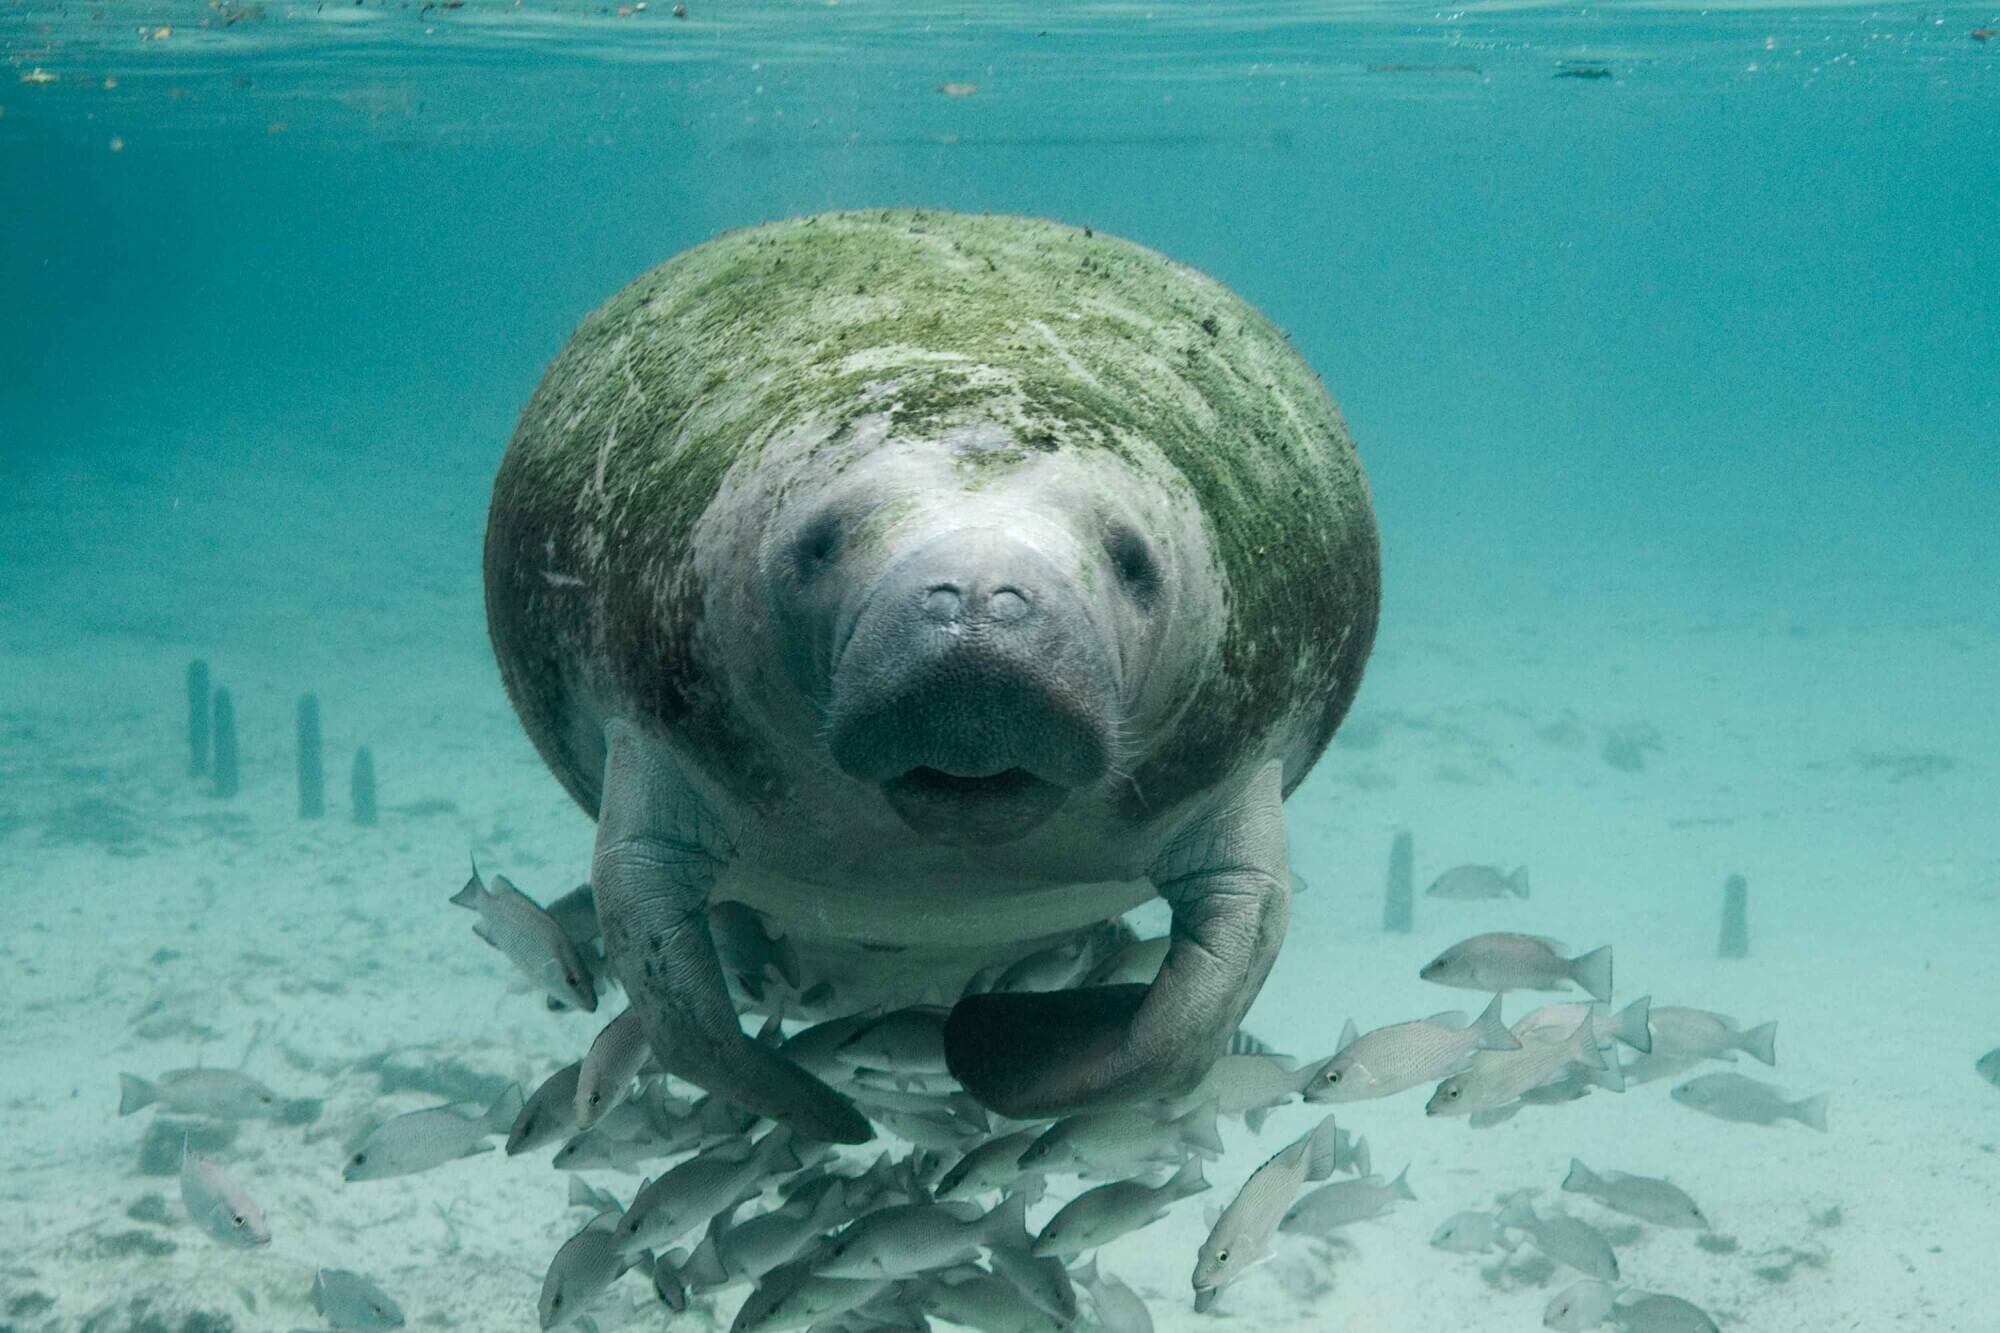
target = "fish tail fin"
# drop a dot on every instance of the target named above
(1363, 1160)
(1811, 1111)
(1322, 1150)
(469, 895)
(1517, 1213)
(1761, 1042)
(1401, 1184)
(1612, 1077)
(1255, 1118)
(135, 1093)
(704, 1268)
(1492, 1030)
(1634, 1025)
(775, 1153)
(1517, 882)
(506, 1109)
(1582, 1044)
(1580, 1179)
(1007, 1224)
(1085, 1273)
(1592, 971)
(1198, 1129)
(1188, 1180)
(785, 957)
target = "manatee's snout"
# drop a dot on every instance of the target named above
(975, 688)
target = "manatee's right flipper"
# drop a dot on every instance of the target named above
(658, 853)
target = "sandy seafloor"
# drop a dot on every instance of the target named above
(1831, 740)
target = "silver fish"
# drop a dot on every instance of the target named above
(1118, 1307)
(530, 939)
(747, 1250)
(219, 1094)
(1116, 1143)
(1644, 1197)
(1504, 961)
(1565, 1239)
(1472, 883)
(1630, 1025)
(905, 1040)
(685, 1197)
(907, 1239)
(586, 1265)
(1135, 962)
(1581, 1305)
(1652, 1312)
(1242, 1235)
(1495, 1078)
(994, 1164)
(1330, 1207)
(749, 950)
(548, 1114)
(987, 1302)
(1734, 1097)
(1054, 968)
(1988, 1066)
(349, 1300)
(817, 1049)
(1249, 1086)
(608, 1070)
(1101, 1215)
(1679, 1031)
(423, 1139)
(217, 1204)
(1043, 1283)
(1654, 1067)
(793, 1296)
(1469, 1232)
(1403, 1055)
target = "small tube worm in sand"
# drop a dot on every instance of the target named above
(224, 766)
(361, 787)
(1735, 941)
(1402, 884)
(312, 768)
(197, 687)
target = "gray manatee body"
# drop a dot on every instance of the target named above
(939, 586)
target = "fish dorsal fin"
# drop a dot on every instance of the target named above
(1349, 1034)
(604, 1221)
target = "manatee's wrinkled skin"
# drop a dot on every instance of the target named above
(954, 583)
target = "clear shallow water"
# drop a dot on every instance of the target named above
(1677, 390)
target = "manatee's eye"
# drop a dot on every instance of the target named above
(818, 544)
(1132, 558)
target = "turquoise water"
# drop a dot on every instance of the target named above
(1670, 340)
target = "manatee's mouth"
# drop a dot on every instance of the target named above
(972, 809)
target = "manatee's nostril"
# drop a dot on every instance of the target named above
(1007, 604)
(942, 603)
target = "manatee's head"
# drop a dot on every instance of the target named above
(975, 621)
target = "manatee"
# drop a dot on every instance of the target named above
(941, 587)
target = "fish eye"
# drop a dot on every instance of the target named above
(1333, 1076)
(1222, 1256)
(360, 1159)
(237, 1219)
(1452, 1093)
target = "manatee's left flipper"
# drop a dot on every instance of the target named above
(658, 854)
(1228, 882)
